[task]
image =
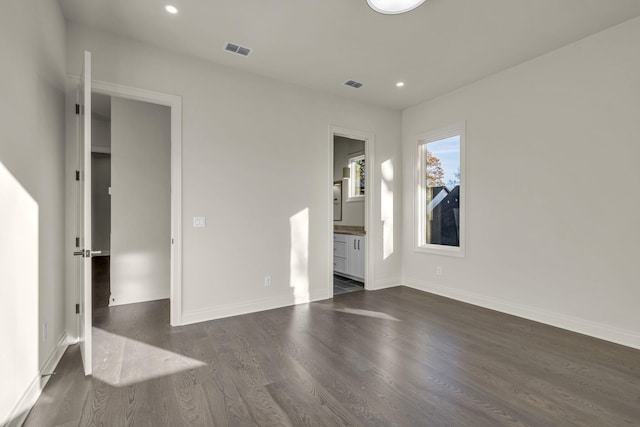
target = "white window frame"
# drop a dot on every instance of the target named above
(351, 196)
(420, 244)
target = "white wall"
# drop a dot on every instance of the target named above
(32, 46)
(100, 133)
(255, 155)
(552, 173)
(100, 201)
(140, 201)
(353, 211)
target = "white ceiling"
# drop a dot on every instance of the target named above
(442, 45)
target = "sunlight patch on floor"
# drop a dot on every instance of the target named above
(121, 361)
(360, 312)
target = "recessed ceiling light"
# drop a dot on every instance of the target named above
(399, 84)
(393, 7)
(171, 9)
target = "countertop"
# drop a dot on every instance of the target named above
(348, 229)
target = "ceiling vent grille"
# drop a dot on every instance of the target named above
(353, 84)
(240, 50)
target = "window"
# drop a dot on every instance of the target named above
(440, 192)
(356, 178)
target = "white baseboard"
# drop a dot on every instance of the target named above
(139, 297)
(30, 396)
(621, 336)
(386, 283)
(207, 314)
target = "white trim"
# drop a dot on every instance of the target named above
(369, 149)
(20, 412)
(206, 314)
(152, 295)
(387, 283)
(582, 326)
(175, 103)
(100, 149)
(419, 192)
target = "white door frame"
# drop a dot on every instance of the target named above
(175, 104)
(368, 138)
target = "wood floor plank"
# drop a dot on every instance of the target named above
(59, 403)
(393, 357)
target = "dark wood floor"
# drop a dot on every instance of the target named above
(391, 357)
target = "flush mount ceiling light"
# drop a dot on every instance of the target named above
(393, 7)
(171, 9)
(400, 84)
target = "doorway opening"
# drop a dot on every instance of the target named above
(170, 126)
(351, 160)
(100, 201)
(130, 202)
(150, 178)
(131, 225)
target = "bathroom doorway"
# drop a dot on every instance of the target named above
(350, 200)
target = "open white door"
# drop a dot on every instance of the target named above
(84, 213)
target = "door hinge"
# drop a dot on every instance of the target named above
(77, 175)
(77, 308)
(77, 108)
(77, 242)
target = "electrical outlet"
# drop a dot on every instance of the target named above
(199, 221)
(439, 270)
(44, 331)
(267, 281)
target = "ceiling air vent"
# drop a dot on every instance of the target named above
(240, 50)
(353, 84)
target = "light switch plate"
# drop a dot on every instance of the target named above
(199, 221)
